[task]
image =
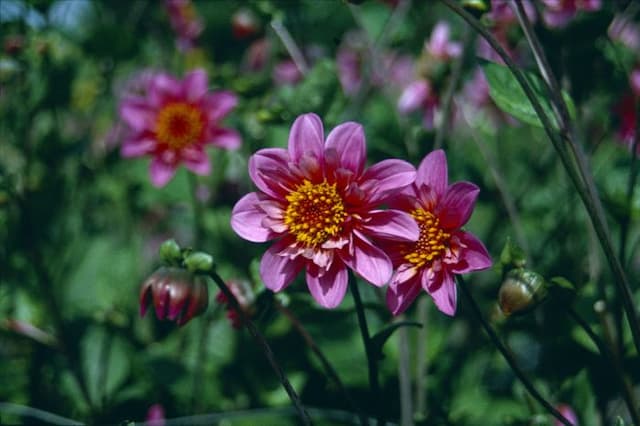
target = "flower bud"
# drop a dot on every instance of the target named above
(170, 252)
(199, 262)
(521, 291)
(176, 294)
(244, 24)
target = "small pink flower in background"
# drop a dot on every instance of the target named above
(444, 249)
(625, 31)
(558, 13)
(634, 81)
(626, 113)
(502, 12)
(440, 46)
(420, 95)
(320, 204)
(568, 414)
(155, 416)
(185, 22)
(286, 73)
(245, 297)
(174, 121)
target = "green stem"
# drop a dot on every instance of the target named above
(196, 208)
(580, 178)
(508, 356)
(262, 342)
(372, 363)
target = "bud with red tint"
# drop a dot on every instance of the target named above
(244, 24)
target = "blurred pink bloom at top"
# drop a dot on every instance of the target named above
(419, 94)
(321, 205)
(155, 416)
(502, 12)
(185, 22)
(558, 13)
(174, 121)
(568, 414)
(440, 46)
(440, 209)
(625, 31)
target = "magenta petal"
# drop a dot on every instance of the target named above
(445, 295)
(219, 104)
(457, 205)
(277, 271)
(163, 87)
(392, 224)
(432, 171)
(401, 296)
(349, 142)
(195, 85)
(137, 147)
(137, 114)
(472, 258)
(329, 289)
(369, 261)
(262, 166)
(161, 172)
(390, 175)
(413, 96)
(247, 217)
(306, 137)
(225, 138)
(199, 164)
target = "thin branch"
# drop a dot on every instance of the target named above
(291, 46)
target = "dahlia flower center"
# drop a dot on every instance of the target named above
(433, 240)
(179, 124)
(315, 212)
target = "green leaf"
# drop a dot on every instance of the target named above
(380, 338)
(507, 93)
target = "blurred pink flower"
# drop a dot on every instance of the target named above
(625, 31)
(558, 13)
(419, 94)
(634, 81)
(286, 72)
(245, 297)
(174, 121)
(502, 12)
(568, 414)
(155, 416)
(319, 203)
(440, 46)
(185, 22)
(625, 110)
(444, 249)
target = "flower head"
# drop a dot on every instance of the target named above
(173, 122)
(185, 22)
(443, 249)
(319, 203)
(176, 294)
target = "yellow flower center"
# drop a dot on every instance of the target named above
(179, 124)
(315, 213)
(433, 240)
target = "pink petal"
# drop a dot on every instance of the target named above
(432, 172)
(392, 224)
(370, 262)
(402, 295)
(457, 205)
(306, 137)
(247, 217)
(262, 167)
(328, 289)
(389, 175)
(277, 271)
(195, 85)
(445, 295)
(557, 19)
(163, 87)
(199, 164)
(219, 104)
(439, 39)
(225, 138)
(161, 172)
(472, 258)
(349, 142)
(137, 113)
(137, 147)
(413, 96)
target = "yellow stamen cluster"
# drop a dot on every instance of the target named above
(179, 124)
(433, 240)
(315, 213)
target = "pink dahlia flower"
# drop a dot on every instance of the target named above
(319, 203)
(173, 123)
(443, 249)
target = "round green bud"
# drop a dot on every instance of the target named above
(521, 291)
(199, 261)
(170, 252)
